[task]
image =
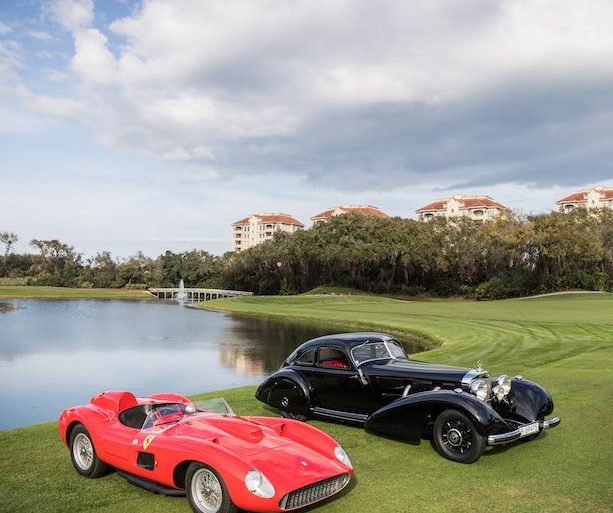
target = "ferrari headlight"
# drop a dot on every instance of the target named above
(257, 484)
(480, 389)
(502, 387)
(342, 456)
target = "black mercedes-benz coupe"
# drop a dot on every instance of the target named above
(367, 378)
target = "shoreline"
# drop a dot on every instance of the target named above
(46, 424)
(411, 339)
(43, 292)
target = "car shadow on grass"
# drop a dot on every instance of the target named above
(492, 450)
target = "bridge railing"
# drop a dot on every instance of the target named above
(195, 294)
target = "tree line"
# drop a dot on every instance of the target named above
(506, 257)
(58, 264)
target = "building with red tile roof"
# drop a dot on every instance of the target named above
(478, 208)
(257, 228)
(367, 210)
(596, 197)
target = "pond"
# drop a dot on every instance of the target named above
(55, 353)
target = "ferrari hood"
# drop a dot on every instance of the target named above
(239, 435)
(296, 466)
(413, 369)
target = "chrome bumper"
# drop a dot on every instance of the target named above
(511, 436)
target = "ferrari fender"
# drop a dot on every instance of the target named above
(528, 401)
(286, 390)
(175, 454)
(408, 417)
(91, 416)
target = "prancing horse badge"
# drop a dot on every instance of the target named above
(147, 441)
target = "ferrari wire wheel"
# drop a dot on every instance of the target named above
(207, 491)
(83, 451)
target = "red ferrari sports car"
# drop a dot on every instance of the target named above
(221, 461)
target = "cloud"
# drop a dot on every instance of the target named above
(39, 35)
(54, 75)
(356, 94)
(10, 59)
(49, 105)
(12, 88)
(16, 121)
(4, 28)
(71, 14)
(92, 60)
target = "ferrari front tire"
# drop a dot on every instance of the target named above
(206, 490)
(456, 438)
(83, 454)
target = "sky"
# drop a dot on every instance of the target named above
(153, 125)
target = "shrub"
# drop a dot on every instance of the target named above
(268, 285)
(504, 286)
(14, 281)
(447, 286)
(412, 290)
(588, 281)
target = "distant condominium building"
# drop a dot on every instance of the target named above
(367, 210)
(257, 228)
(596, 197)
(478, 208)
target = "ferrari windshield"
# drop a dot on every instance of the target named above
(377, 351)
(163, 415)
(214, 405)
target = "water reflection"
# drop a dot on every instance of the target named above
(58, 353)
(6, 307)
(266, 353)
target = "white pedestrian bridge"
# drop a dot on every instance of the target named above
(195, 294)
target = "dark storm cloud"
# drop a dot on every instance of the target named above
(528, 131)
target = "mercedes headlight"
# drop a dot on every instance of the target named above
(257, 484)
(502, 387)
(480, 389)
(342, 456)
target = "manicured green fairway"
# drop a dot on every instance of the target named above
(564, 343)
(23, 292)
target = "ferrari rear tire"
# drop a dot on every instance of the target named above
(206, 490)
(456, 438)
(83, 454)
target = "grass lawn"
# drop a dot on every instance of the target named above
(27, 292)
(564, 343)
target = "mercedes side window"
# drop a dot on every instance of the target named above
(306, 358)
(333, 358)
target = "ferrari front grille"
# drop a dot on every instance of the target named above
(314, 492)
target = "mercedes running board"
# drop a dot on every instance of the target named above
(344, 416)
